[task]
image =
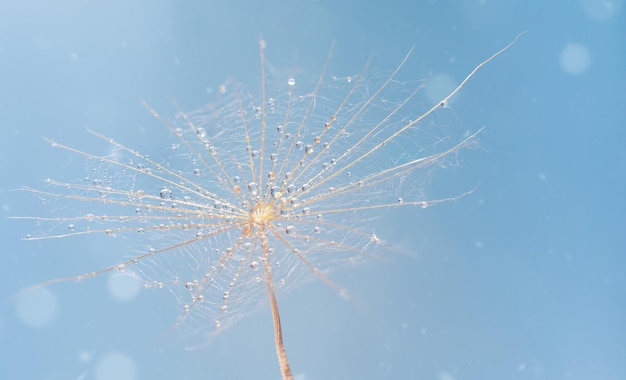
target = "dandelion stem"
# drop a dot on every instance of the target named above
(285, 370)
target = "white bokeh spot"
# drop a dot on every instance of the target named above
(37, 308)
(123, 287)
(601, 10)
(116, 366)
(575, 58)
(439, 86)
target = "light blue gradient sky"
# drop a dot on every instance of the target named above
(523, 279)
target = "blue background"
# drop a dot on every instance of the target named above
(523, 279)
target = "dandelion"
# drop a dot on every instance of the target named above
(257, 192)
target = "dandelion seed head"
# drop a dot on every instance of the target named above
(259, 190)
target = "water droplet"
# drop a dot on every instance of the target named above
(189, 285)
(308, 149)
(253, 187)
(254, 265)
(291, 81)
(290, 230)
(275, 192)
(291, 189)
(121, 268)
(299, 145)
(165, 193)
(375, 239)
(71, 227)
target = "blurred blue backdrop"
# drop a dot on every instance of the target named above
(523, 279)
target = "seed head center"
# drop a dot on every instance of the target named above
(261, 214)
(259, 218)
